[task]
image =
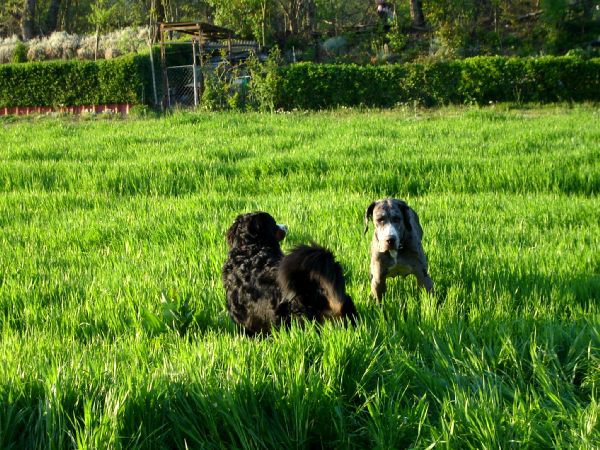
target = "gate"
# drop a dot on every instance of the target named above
(184, 85)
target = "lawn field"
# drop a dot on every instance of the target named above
(114, 332)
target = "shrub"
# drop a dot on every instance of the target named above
(19, 52)
(61, 45)
(265, 81)
(122, 80)
(474, 80)
(36, 50)
(7, 48)
(216, 91)
(312, 86)
(86, 48)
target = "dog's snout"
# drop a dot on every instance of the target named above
(391, 241)
(281, 231)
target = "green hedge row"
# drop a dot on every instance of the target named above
(474, 80)
(56, 83)
(316, 86)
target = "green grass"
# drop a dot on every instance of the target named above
(114, 332)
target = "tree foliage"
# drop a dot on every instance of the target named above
(448, 27)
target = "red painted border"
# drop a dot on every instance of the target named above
(120, 108)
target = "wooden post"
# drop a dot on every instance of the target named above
(201, 52)
(163, 65)
(194, 77)
(229, 47)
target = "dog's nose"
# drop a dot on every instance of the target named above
(281, 232)
(391, 241)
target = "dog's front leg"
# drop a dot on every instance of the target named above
(424, 280)
(414, 258)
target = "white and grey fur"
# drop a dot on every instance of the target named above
(396, 248)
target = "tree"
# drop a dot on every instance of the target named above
(298, 15)
(151, 40)
(102, 15)
(416, 13)
(52, 16)
(336, 15)
(28, 19)
(248, 18)
(10, 17)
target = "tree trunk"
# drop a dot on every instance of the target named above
(154, 90)
(52, 16)
(152, 32)
(416, 13)
(65, 21)
(96, 42)
(263, 22)
(311, 16)
(27, 21)
(163, 11)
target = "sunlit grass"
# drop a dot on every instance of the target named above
(112, 313)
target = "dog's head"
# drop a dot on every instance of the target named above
(256, 227)
(391, 218)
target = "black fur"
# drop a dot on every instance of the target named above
(265, 288)
(369, 216)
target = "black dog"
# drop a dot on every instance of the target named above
(265, 288)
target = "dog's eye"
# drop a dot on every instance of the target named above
(380, 220)
(396, 219)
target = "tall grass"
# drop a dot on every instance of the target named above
(112, 313)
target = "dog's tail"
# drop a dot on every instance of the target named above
(313, 285)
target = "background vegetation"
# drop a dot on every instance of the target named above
(60, 83)
(112, 315)
(350, 30)
(472, 80)
(311, 86)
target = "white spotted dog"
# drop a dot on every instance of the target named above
(396, 248)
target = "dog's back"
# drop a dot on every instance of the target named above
(313, 285)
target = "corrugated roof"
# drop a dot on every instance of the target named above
(204, 30)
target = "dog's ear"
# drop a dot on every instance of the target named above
(405, 210)
(369, 216)
(232, 232)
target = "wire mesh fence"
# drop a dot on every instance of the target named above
(183, 85)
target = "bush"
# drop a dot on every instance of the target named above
(254, 87)
(121, 80)
(19, 52)
(265, 81)
(474, 80)
(61, 45)
(216, 91)
(7, 49)
(313, 86)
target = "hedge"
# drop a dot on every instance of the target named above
(316, 86)
(474, 80)
(74, 83)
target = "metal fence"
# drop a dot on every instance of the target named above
(183, 85)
